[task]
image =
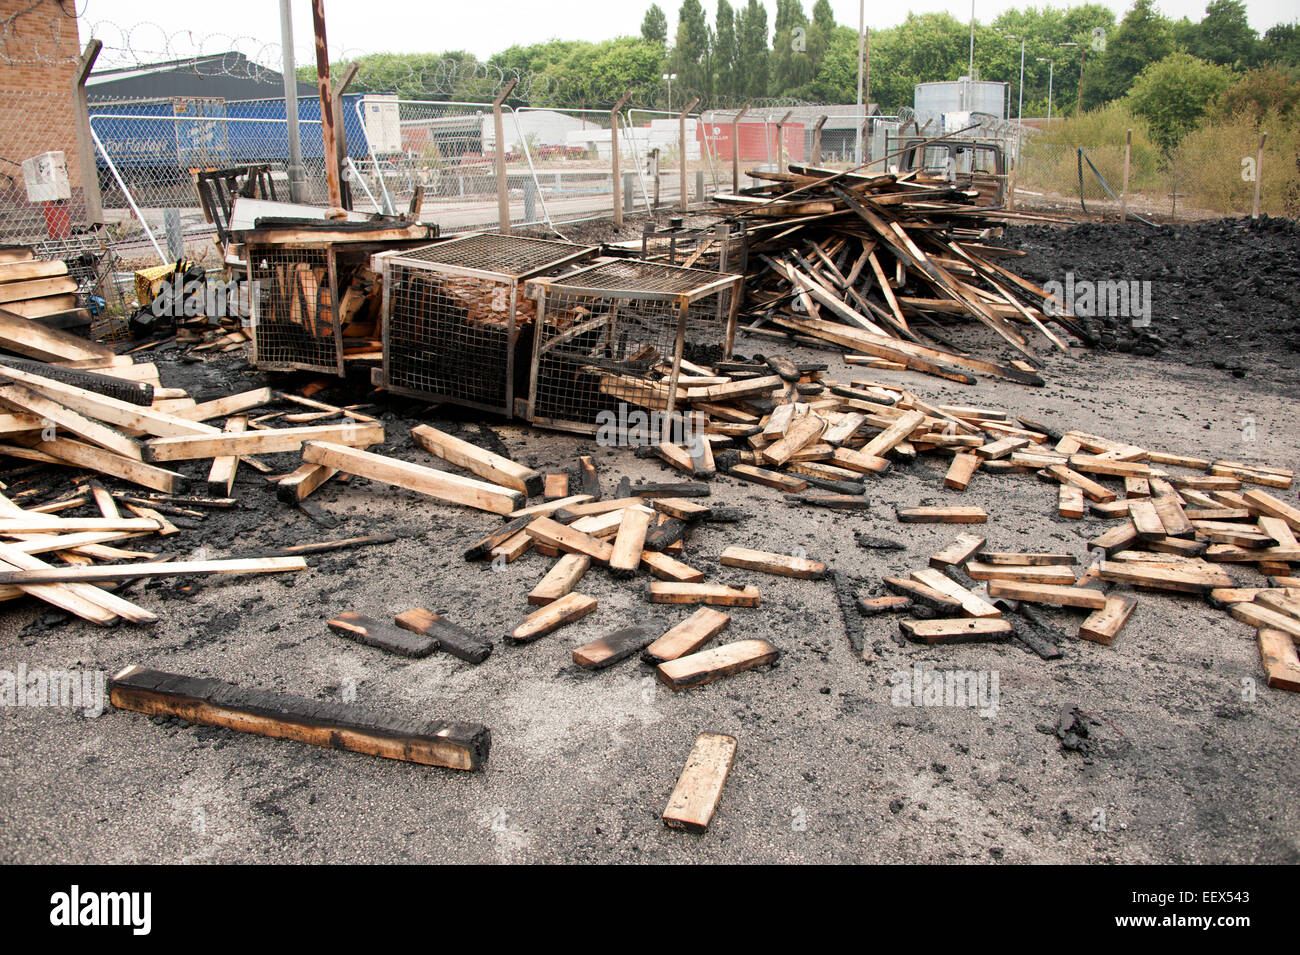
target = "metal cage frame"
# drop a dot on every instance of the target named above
(483, 259)
(267, 352)
(659, 295)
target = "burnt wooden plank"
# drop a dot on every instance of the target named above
(609, 650)
(344, 726)
(449, 637)
(382, 635)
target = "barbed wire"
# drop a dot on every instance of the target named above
(48, 42)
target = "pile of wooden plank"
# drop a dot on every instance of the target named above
(39, 290)
(880, 264)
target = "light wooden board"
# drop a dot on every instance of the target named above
(695, 798)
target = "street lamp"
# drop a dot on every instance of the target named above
(670, 77)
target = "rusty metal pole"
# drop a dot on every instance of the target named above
(735, 149)
(326, 105)
(684, 200)
(614, 169)
(503, 184)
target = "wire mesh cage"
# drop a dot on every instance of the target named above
(616, 333)
(456, 326)
(294, 307)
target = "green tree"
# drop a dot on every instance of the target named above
(1173, 94)
(792, 67)
(654, 28)
(724, 52)
(692, 47)
(1225, 36)
(1259, 93)
(1144, 37)
(751, 62)
(1282, 45)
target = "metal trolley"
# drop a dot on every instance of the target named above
(615, 333)
(454, 318)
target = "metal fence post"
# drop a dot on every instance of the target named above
(85, 146)
(735, 149)
(1128, 153)
(1259, 176)
(503, 184)
(685, 199)
(613, 156)
(817, 141)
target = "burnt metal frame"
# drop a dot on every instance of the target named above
(712, 283)
(382, 264)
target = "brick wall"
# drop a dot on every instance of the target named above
(39, 47)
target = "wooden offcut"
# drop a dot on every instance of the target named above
(491, 467)
(695, 798)
(611, 649)
(720, 595)
(566, 609)
(696, 669)
(780, 564)
(688, 636)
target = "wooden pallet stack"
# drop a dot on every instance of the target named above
(881, 264)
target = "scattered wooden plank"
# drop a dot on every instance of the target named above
(961, 470)
(177, 568)
(491, 467)
(630, 542)
(779, 564)
(566, 609)
(1030, 573)
(609, 650)
(1146, 521)
(773, 479)
(1261, 502)
(687, 636)
(451, 488)
(872, 606)
(1263, 618)
(446, 635)
(664, 567)
(942, 515)
(382, 635)
(696, 669)
(962, 549)
(569, 539)
(1281, 664)
(958, 630)
(1159, 578)
(560, 579)
(718, 595)
(1069, 502)
(280, 715)
(1091, 489)
(1102, 626)
(221, 476)
(1054, 594)
(265, 441)
(699, 788)
(971, 604)
(555, 486)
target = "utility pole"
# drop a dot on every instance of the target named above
(297, 176)
(1078, 107)
(1020, 109)
(970, 71)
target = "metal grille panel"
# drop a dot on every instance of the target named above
(294, 324)
(465, 338)
(604, 342)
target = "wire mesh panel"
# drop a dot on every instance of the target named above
(455, 321)
(294, 314)
(615, 334)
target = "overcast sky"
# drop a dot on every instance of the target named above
(486, 26)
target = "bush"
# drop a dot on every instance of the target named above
(1208, 163)
(1175, 93)
(1049, 162)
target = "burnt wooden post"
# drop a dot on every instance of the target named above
(341, 131)
(780, 140)
(1259, 176)
(817, 141)
(735, 149)
(614, 158)
(85, 144)
(326, 103)
(684, 200)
